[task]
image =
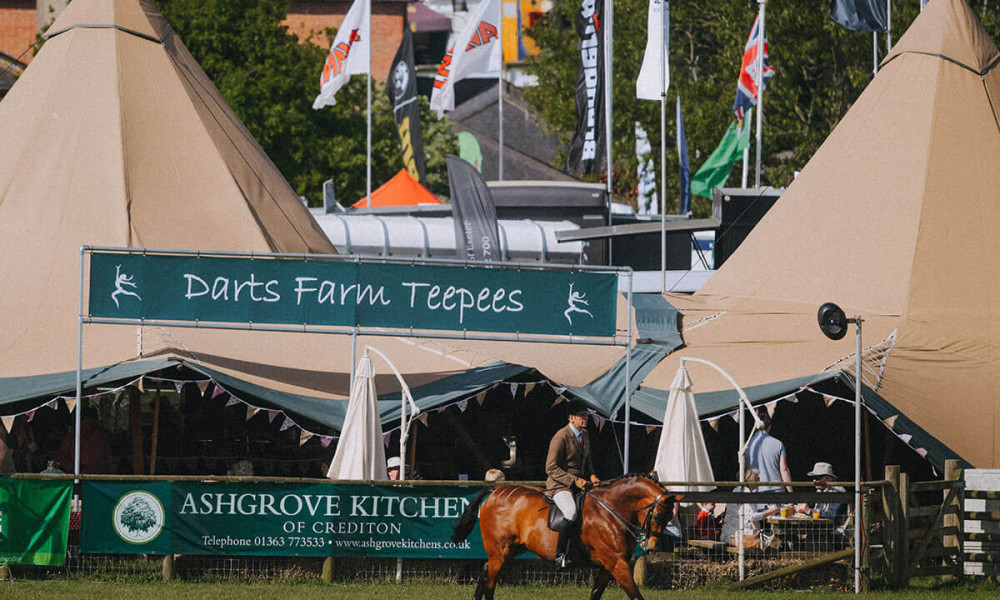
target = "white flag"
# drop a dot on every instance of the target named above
(348, 54)
(479, 50)
(654, 76)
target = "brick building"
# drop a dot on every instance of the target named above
(21, 20)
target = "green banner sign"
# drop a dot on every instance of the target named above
(34, 521)
(342, 293)
(275, 519)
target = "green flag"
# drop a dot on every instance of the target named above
(715, 170)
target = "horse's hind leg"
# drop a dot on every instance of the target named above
(601, 581)
(498, 555)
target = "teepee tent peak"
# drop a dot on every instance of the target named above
(950, 30)
(140, 18)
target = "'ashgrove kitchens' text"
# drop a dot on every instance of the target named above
(322, 505)
(312, 290)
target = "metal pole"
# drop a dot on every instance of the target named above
(79, 383)
(503, 42)
(874, 53)
(888, 30)
(743, 470)
(354, 359)
(368, 162)
(760, 88)
(857, 460)
(664, 83)
(609, 133)
(628, 374)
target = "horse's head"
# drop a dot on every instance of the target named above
(655, 511)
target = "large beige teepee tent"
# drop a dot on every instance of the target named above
(115, 136)
(896, 218)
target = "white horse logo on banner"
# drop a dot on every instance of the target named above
(576, 298)
(122, 280)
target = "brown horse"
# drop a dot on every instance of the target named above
(615, 516)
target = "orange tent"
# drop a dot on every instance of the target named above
(401, 190)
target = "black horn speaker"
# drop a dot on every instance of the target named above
(832, 321)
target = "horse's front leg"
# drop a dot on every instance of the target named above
(601, 581)
(620, 570)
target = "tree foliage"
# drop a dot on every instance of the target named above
(270, 78)
(138, 515)
(820, 69)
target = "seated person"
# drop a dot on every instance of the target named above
(822, 475)
(707, 525)
(754, 535)
(495, 475)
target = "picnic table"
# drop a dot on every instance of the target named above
(790, 533)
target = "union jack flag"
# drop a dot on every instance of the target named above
(746, 88)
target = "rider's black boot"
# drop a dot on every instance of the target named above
(562, 546)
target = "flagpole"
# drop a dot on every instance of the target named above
(368, 161)
(874, 53)
(664, 82)
(609, 134)
(760, 88)
(503, 42)
(888, 26)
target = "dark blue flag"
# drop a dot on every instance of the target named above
(682, 154)
(859, 15)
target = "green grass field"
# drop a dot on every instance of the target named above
(76, 589)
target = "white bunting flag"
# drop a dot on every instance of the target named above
(251, 411)
(141, 384)
(828, 400)
(463, 404)
(513, 390)
(202, 386)
(771, 406)
(232, 400)
(480, 397)
(178, 385)
(476, 50)
(423, 419)
(70, 404)
(714, 424)
(654, 76)
(288, 423)
(8, 422)
(304, 437)
(891, 421)
(348, 54)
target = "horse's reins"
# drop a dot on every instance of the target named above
(640, 532)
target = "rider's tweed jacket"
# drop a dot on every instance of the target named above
(567, 460)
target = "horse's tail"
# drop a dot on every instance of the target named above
(467, 522)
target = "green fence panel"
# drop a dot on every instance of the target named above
(34, 521)
(275, 519)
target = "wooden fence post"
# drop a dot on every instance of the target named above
(168, 567)
(904, 530)
(639, 571)
(953, 520)
(328, 569)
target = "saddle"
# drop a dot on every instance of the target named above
(556, 517)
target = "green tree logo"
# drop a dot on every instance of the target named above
(138, 517)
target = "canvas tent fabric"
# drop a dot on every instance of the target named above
(114, 136)
(401, 190)
(872, 223)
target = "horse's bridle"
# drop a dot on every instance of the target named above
(640, 532)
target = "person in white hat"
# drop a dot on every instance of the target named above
(822, 475)
(392, 466)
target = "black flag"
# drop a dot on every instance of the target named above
(475, 215)
(859, 15)
(586, 151)
(402, 88)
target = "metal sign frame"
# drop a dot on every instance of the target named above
(626, 272)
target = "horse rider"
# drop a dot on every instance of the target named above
(568, 466)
